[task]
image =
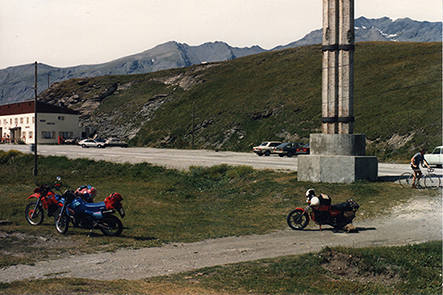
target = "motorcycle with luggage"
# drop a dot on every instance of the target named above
(320, 210)
(83, 214)
(86, 192)
(46, 199)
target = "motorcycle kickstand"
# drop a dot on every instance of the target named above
(90, 232)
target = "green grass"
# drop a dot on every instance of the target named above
(165, 206)
(413, 269)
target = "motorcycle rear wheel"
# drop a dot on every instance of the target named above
(39, 214)
(111, 226)
(61, 222)
(297, 219)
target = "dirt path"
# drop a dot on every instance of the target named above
(418, 221)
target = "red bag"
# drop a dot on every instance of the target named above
(113, 201)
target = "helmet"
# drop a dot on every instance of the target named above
(315, 201)
(310, 192)
(92, 191)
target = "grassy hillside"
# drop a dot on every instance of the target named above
(277, 96)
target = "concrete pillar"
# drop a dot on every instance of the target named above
(346, 68)
(330, 69)
(338, 67)
(337, 155)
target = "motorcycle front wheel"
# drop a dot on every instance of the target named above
(34, 216)
(61, 222)
(111, 226)
(298, 219)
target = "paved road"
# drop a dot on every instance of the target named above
(182, 159)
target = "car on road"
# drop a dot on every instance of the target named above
(436, 157)
(287, 149)
(116, 142)
(265, 148)
(306, 149)
(97, 142)
(70, 141)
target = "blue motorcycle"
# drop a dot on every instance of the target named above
(82, 214)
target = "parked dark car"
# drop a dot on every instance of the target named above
(306, 149)
(287, 149)
(116, 142)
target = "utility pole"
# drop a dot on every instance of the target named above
(35, 121)
(193, 120)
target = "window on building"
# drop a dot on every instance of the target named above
(21, 120)
(46, 135)
(16, 120)
(27, 120)
(33, 120)
(65, 134)
(30, 134)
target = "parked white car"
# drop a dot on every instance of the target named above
(99, 143)
(265, 148)
(436, 157)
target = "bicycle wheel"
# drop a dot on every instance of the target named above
(432, 181)
(406, 180)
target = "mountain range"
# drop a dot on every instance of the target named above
(17, 82)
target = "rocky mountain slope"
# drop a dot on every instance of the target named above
(17, 82)
(236, 104)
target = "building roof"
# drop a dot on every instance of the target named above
(26, 107)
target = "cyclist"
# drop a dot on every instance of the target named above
(415, 165)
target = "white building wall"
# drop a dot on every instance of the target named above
(50, 127)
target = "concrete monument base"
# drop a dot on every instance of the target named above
(337, 158)
(337, 169)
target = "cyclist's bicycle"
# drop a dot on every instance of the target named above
(428, 180)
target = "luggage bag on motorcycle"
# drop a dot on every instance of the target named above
(325, 202)
(321, 212)
(113, 201)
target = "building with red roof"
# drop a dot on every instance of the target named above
(17, 123)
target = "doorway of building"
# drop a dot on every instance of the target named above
(15, 134)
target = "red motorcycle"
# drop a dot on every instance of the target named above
(322, 212)
(46, 200)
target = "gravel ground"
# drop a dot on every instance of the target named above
(417, 221)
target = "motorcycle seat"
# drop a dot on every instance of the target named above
(341, 207)
(100, 206)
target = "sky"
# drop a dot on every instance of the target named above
(65, 33)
